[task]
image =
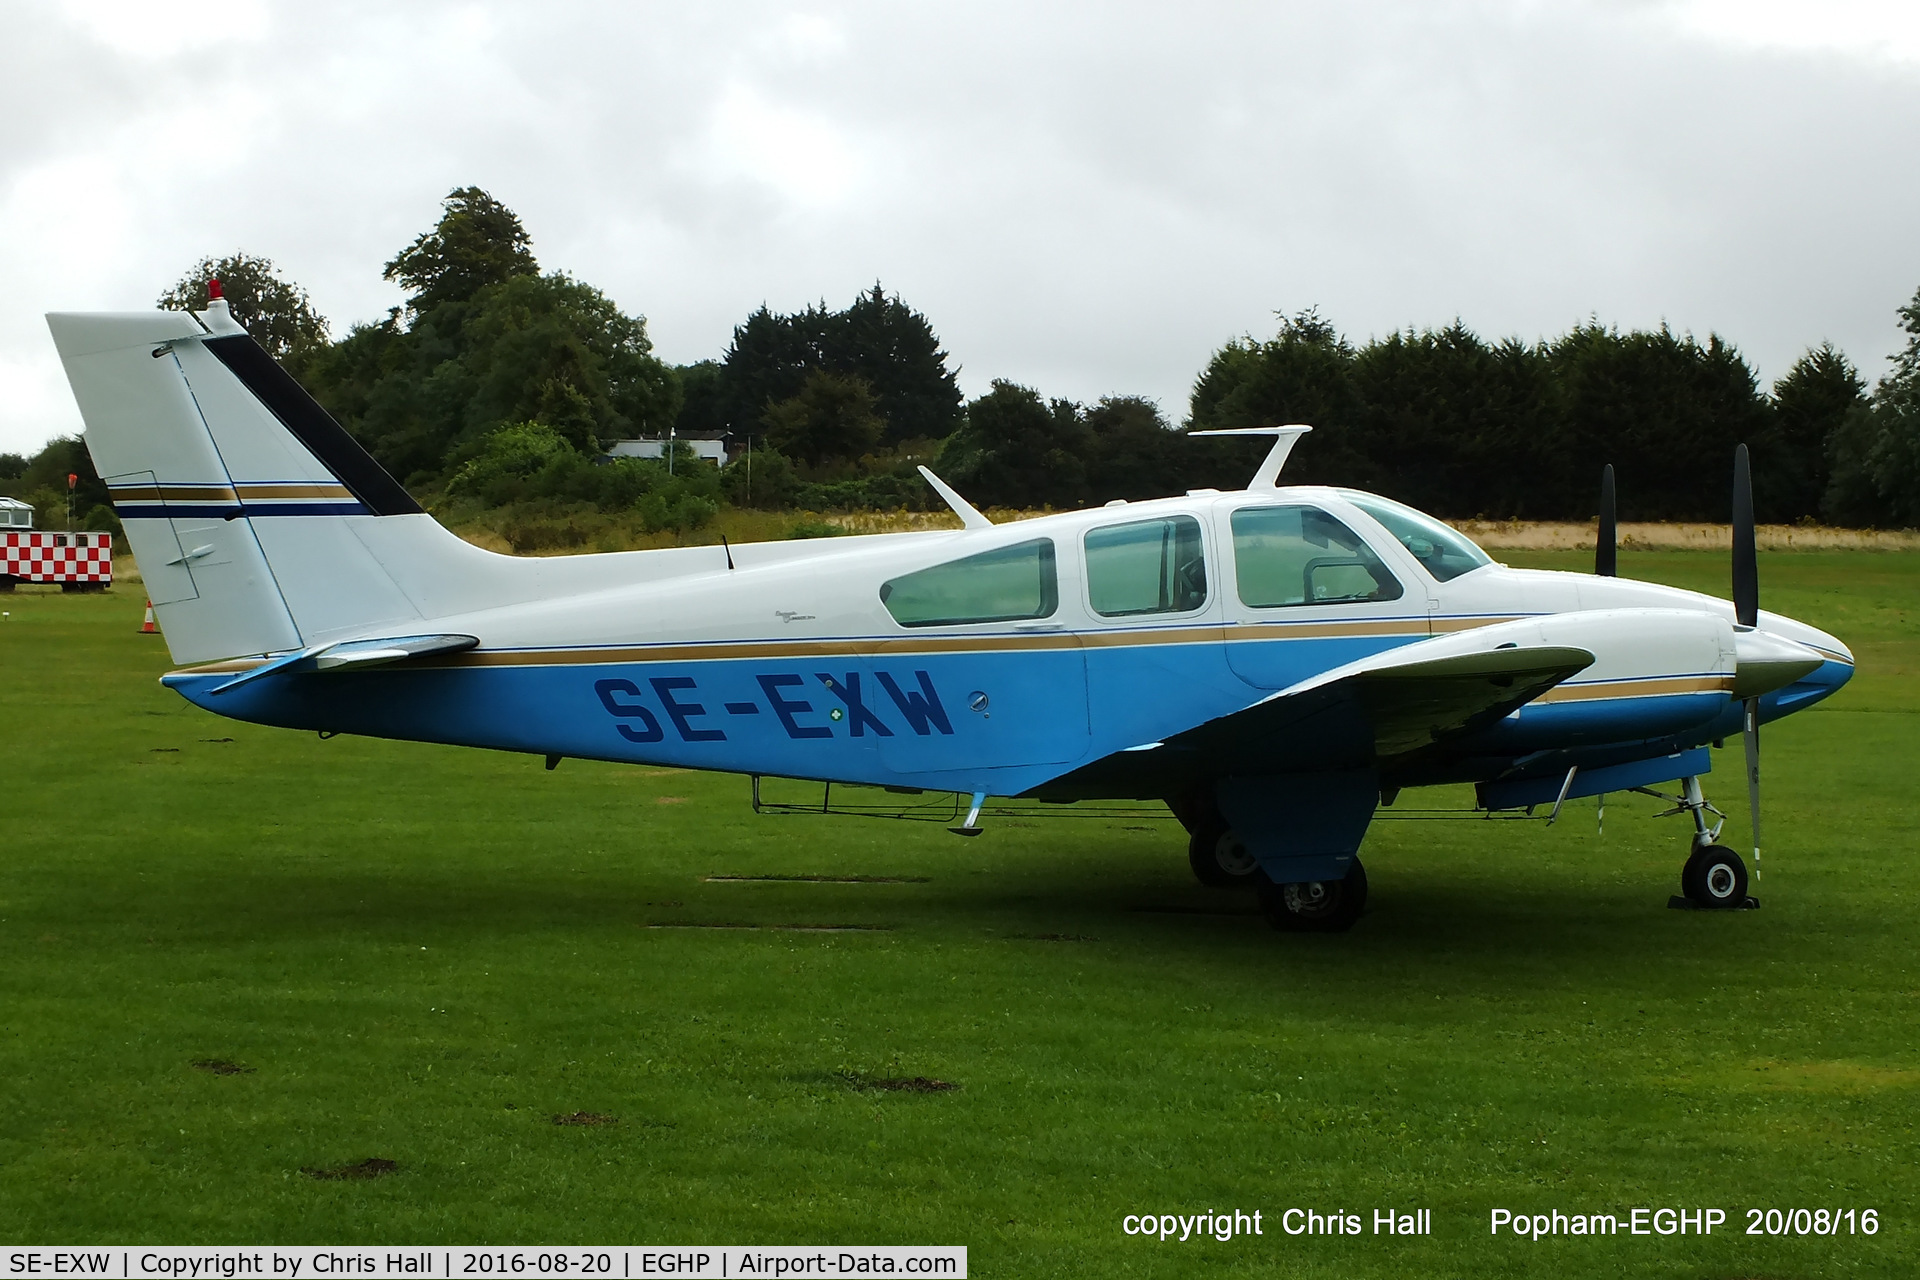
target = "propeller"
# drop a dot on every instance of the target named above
(1604, 561)
(1746, 612)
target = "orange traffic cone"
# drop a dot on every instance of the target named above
(147, 628)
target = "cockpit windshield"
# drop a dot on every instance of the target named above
(1445, 553)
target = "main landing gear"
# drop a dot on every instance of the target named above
(1315, 906)
(1218, 856)
(1714, 878)
(1220, 860)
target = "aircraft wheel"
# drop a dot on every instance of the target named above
(1715, 877)
(1316, 906)
(1218, 857)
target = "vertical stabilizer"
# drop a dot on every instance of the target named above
(238, 492)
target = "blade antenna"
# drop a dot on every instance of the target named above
(1268, 476)
(1746, 612)
(969, 517)
(1605, 558)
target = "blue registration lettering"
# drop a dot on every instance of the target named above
(681, 712)
(922, 708)
(787, 708)
(610, 692)
(849, 693)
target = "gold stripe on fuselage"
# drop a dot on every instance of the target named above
(1657, 686)
(228, 493)
(173, 493)
(331, 492)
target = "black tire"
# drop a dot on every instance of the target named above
(1219, 859)
(1316, 906)
(1715, 878)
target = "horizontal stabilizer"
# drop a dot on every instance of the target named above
(354, 654)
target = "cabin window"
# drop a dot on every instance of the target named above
(1147, 566)
(1286, 556)
(1007, 584)
(1443, 552)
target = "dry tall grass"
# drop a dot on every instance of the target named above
(1530, 535)
(1494, 535)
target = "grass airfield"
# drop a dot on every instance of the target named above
(426, 955)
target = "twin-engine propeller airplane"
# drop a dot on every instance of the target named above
(1272, 663)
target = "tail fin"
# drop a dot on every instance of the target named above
(245, 504)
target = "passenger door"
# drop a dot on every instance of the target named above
(1306, 593)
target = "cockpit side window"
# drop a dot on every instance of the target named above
(1443, 552)
(1146, 566)
(1297, 555)
(1007, 584)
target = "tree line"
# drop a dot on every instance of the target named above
(499, 384)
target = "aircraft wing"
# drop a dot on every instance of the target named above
(1372, 712)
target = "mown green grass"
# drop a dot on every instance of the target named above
(425, 954)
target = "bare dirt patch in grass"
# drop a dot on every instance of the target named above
(777, 928)
(222, 1067)
(586, 1119)
(1830, 1077)
(897, 1084)
(669, 799)
(727, 879)
(1165, 909)
(372, 1167)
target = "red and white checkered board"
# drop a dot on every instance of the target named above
(57, 557)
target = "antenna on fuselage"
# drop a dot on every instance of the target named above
(1268, 476)
(969, 517)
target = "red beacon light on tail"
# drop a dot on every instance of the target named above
(213, 290)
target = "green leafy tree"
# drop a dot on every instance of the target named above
(42, 484)
(703, 405)
(1303, 374)
(477, 242)
(878, 339)
(831, 419)
(1813, 399)
(276, 312)
(1453, 425)
(1666, 410)
(530, 348)
(762, 478)
(1017, 450)
(893, 347)
(12, 466)
(510, 463)
(1134, 454)
(1875, 453)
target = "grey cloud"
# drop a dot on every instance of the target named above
(1087, 198)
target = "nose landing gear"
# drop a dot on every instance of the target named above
(1714, 878)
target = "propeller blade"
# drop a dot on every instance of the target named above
(1604, 561)
(1750, 730)
(1746, 559)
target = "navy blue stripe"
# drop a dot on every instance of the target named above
(305, 509)
(143, 511)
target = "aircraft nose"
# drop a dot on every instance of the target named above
(1765, 662)
(1821, 681)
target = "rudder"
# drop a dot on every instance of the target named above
(206, 447)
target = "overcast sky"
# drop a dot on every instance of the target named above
(1085, 198)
